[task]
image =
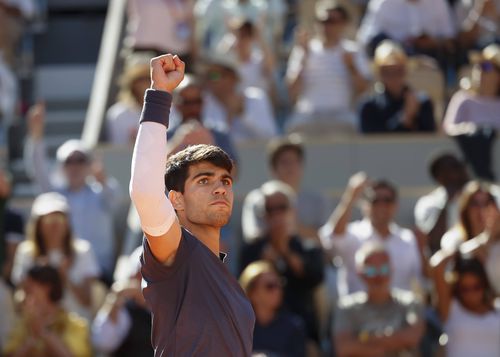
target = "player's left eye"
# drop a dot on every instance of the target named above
(227, 182)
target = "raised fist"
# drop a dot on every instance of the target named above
(36, 120)
(167, 71)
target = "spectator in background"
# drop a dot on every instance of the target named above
(161, 26)
(11, 227)
(122, 118)
(13, 14)
(92, 196)
(251, 54)
(437, 211)
(7, 312)
(8, 97)
(189, 105)
(122, 326)
(382, 321)
(477, 213)
(420, 26)
(50, 240)
(46, 328)
(322, 66)
(477, 22)
(486, 248)
(246, 114)
(395, 106)
(299, 261)
(472, 114)
(286, 160)
(465, 306)
(379, 207)
(277, 331)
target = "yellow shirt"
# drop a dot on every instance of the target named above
(72, 329)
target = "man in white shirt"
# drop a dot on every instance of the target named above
(322, 66)
(421, 26)
(379, 207)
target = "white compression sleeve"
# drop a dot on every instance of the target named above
(147, 186)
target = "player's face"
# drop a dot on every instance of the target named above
(208, 195)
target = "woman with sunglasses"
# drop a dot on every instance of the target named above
(277, 332)
(50, 241)
(478, 210)
(472, 115)
(465, 306)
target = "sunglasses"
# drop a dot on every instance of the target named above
(487, 66)
(467, 289)
(277, 208)
(386, 200)
(370, 271)
(271, 285)
(76, 160)
(194, 101)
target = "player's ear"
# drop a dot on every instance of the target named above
(177, 200)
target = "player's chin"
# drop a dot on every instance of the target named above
(219, 218)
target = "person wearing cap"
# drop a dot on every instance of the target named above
(92, 195)
(122, 327)
(325, 74)
(382, 321)
(122, 117)
(50, 240)
(246, 114)
(395, 106)
(472, 114)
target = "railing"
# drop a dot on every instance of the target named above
(108, 66)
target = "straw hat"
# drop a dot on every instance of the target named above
(490, 53)
(389, 53)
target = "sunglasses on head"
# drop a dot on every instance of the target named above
(271, 209)
(371, 271)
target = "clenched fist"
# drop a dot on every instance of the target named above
(167, 71)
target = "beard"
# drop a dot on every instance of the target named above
(218, 218)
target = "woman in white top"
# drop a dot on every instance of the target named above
(466, 308)
(50, 240)
(477, 207)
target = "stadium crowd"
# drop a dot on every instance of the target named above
(321, 281)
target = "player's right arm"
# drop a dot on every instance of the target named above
(147, 188)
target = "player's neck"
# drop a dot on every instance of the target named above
(210, 236)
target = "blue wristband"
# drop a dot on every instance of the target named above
(156, 107)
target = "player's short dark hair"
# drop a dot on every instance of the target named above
(48, 276)
(178, 165)
(278, 146)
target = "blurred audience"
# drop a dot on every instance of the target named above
(93, 197)
(379, 206)
(50, 240)
(472, 114)
(7, 312)
(246, 114)
(395, 106)
(45, 327)
(382, 321)
(321, 66)
(437, 211)
(286, 158)
(297, 260)
(122, 118)
(251, 53)
(122, 326)
(11, 227)
(477, 210)
(161, 26)
(420, 26)
(277, 332)
(466, 308)
(192, 129)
